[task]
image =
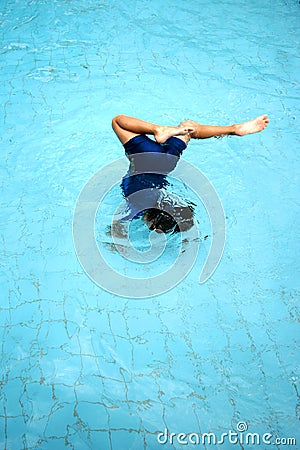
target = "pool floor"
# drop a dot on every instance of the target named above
(82, 368)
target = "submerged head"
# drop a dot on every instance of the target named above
(174, 220)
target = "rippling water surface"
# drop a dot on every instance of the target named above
(80, 367)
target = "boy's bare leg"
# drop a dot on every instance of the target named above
(207, 131)
(127, 127)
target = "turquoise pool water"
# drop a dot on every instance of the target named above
(82, 368)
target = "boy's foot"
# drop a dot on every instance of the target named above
(164, 133)
(252, 126)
